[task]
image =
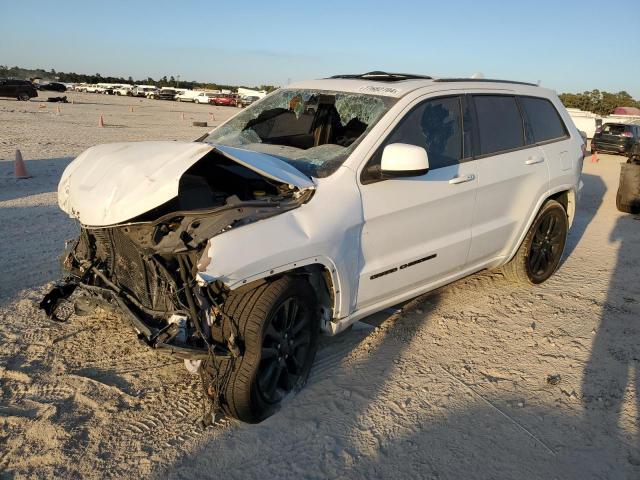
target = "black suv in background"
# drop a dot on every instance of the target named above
(20, 89)
(615, 137)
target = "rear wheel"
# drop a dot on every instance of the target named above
(278, 324)
(541, 250)
(23, 96)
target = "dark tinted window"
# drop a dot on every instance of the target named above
(544, 120)
(435, 125)
(499, 123)
(614, 129)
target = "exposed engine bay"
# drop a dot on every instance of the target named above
(147, 267)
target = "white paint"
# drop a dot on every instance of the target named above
(113, 183)
(471, 216)
(402, 157)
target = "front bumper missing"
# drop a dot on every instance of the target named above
(153, 337)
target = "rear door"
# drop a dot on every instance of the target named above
(512, 175)
(550, 133)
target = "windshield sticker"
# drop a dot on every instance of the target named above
(379, 90)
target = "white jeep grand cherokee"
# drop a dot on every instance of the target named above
(316, 206)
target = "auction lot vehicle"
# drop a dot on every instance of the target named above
(53, 87)
(203, 97)
(166, 94)
(142, 90)
(246, 100)
(186, 96)
(323, 203)
(20, 89)
(615, 138)
(224, 100)
(124, 90)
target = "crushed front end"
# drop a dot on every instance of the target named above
(147, 266)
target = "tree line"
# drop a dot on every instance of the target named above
(602, 103)
(72, 77)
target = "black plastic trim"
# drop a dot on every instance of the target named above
(379, 76)
(482, 80)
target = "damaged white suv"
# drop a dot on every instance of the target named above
(324, 202)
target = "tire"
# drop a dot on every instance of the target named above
(541, 250)
(271, 357)
(628, 194)
(23, 96)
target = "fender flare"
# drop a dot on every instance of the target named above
(339, 309)
(571, 211)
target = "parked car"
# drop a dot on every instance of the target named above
(615, 138)
(111, 89)
(123, 90)
(165, 94)
(52, 87)
(186, 96)
(224, 100)
(246, 100)
(20, 89)
(203, 97)
(236, 251)
(142, 90)
(91, 89)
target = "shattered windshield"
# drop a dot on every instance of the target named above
(313, 130)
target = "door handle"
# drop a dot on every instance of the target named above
(463, 179)
(534, 160)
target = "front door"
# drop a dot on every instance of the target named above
(418, 229)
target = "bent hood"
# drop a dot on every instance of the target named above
(113, 183)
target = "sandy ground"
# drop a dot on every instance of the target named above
(450, 385)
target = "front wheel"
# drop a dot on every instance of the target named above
(23, 96)
(278, 324)
(541, 250)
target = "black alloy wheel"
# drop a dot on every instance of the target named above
(285, 348)
(547, 245)
(541, 250)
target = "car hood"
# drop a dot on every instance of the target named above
(113, 183)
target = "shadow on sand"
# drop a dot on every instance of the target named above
(34, 228)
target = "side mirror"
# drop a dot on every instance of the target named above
(403, 160)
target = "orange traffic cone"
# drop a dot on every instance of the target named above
(131, 109)
(182, 115)
(19, 168)
(594, 157)
(101, 121)
(57, 110)
(212, 117)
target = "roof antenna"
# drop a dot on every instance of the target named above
(478, 75)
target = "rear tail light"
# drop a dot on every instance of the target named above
(598, 129)
(627, 134)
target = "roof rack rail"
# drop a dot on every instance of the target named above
(383, 76)
(483, 80)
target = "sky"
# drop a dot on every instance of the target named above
(563, 44)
